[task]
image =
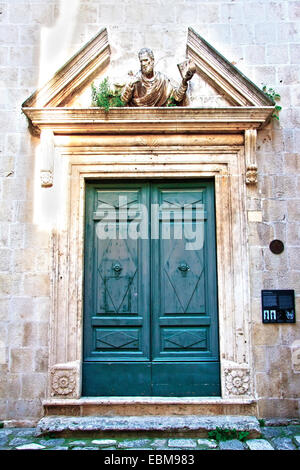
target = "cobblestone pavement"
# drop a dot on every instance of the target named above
(285, 437)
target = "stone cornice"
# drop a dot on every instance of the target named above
(148, 120)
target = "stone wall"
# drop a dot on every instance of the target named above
(262, 38)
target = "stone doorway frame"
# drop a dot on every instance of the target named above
(140, 157)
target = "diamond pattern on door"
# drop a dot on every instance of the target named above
(117, 271)
(114, 339)
(184, 339)
(183, 271)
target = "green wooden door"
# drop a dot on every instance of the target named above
(150, 306)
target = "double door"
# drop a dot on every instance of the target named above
(150, 287)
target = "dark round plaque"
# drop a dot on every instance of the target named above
(277, 247)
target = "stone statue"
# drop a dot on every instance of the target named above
(149, 88)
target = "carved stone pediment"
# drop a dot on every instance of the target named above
(249, 107)
(52, 107)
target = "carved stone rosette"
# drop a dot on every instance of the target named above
(237, 382)
(64, 381)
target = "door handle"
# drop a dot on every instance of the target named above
(117, 268)
(183, 267)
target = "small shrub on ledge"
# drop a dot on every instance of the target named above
(104, 97)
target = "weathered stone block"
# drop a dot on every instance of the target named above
(208, 13)
(21, 359)
(264, 33)
(17, 409)
(255, 54)
(14, 189)
(292, 163)
(104, 442)
(275, 262)
(182, 443)
(42, 13)
(134, 444)
(199, 424)
(289, 74)
(231, 12)
(243, 34)
(36, 285)
(4, 234)
(265, 335)
(14, 386)
(23, 260)
(29, 77)
(291, 382)
(34, 333)
(277, 54)
(256, 259)
(274, 210)
(8, 34)
(4, 308)
(16, 235)
(233, 444)
(283, 443)
(30, 446)
(207, 443)
(34, 386)
(293, 210)
(297, 440)
(259, 444)
(5, 258)
(270, 407)
(41, 359)
(288, 32)
(294, 53)
(21, 56)
(10, 284)
(277, 11)
(294, 258)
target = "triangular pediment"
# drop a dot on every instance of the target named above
(93, 58)
(73, 76)
(240, 99)
(222, 75)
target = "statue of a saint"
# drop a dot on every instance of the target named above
(149, 88)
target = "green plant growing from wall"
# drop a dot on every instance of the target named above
(104, 97)
(274, 97)
(171, 102)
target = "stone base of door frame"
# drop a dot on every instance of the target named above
(191, 425)
(128, 406)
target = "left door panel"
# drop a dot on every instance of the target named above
(117, 317)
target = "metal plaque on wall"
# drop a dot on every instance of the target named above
(278, 306)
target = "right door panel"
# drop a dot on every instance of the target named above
(184, 291)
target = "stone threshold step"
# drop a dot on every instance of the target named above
(198, 426)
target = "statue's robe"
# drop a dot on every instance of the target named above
(154, 91)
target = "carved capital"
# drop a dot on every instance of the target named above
(237, 382)
(64, 380)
